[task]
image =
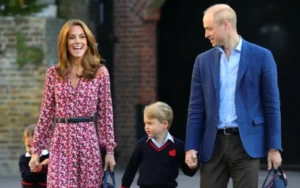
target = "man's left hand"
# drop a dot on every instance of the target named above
(274, 159)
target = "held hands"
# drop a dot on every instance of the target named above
(38, 169)
(274, 159)
(34, 163)
(109, 161)
(191, 159)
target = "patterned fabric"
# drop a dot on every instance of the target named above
(75, 159)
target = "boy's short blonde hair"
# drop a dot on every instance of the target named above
(29, 131)
(160, 111)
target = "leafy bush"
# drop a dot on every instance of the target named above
(20, 7)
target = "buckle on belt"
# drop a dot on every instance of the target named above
(62, 120)
(226, 133)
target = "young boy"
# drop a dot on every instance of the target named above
(159, 155)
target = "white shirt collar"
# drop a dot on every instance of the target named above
(168, 137)
(44, 152)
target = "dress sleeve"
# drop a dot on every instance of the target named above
(43, 132)
(105, 113)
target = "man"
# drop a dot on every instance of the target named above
(234, 110)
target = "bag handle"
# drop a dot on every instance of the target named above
(279, 169)
(107, 173)
(264, 184)
(282, 174)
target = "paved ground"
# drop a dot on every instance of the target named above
(183, 181)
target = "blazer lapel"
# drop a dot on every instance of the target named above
(215, 69)
(245, 58)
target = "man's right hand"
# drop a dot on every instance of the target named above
(191, 158)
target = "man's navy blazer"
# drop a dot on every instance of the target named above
(256, 100)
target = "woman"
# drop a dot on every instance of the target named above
(75, 89)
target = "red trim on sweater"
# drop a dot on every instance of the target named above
(43, 184)
(26, 183)
(159, 149)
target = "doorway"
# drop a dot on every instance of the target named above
(181, 39)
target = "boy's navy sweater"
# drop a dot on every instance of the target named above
(30, 179)
(158, 167)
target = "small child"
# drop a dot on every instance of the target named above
(38, 177)
(159, 155)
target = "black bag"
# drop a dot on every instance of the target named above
(279, 179)
(105, 183)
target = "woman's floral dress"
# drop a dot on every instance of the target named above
(75, 159)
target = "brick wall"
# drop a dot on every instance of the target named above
(21, 89)
(134, 68)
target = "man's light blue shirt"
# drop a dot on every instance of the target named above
(228, 75)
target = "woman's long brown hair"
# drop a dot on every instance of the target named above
(91, 58)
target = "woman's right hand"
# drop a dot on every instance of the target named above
(34, 162)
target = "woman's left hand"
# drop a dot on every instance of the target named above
(109, 161)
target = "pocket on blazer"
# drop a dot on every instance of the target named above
(259, 120)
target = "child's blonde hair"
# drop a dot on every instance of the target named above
(160, 111)
(29, 131)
